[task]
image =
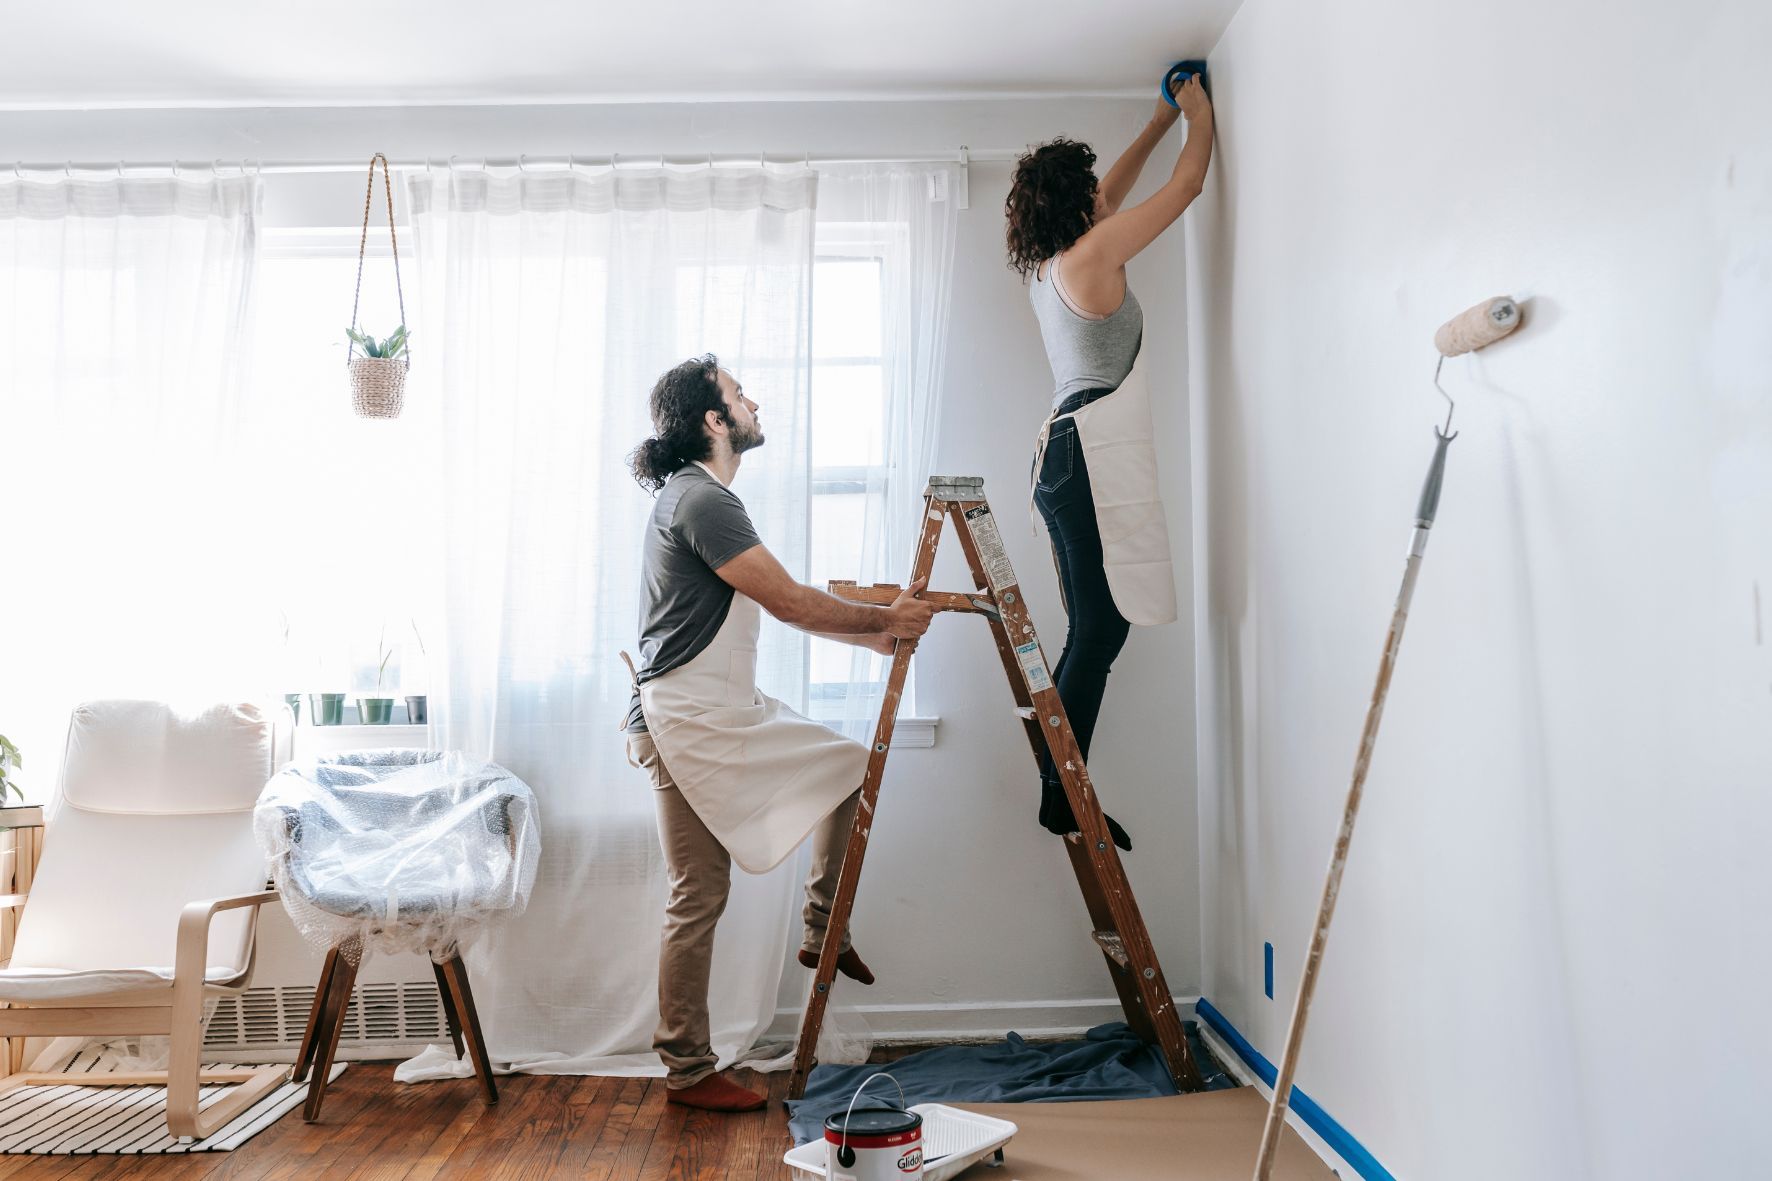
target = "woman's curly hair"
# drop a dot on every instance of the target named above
(1051, 202)
(680, 402)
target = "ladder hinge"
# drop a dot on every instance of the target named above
(966, 488)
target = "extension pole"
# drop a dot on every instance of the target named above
(1424, 521)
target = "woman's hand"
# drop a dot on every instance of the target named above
(1166, 115)
(1190, 96)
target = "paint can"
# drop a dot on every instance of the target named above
(874, 1143)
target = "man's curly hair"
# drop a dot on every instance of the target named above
(1051, 202)
(680, 402)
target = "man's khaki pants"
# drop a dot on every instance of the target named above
(700, 872)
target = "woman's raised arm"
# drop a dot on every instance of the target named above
(1118, 237)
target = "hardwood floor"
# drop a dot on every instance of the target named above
(372, 1129)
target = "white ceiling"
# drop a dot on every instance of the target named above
(121, 53)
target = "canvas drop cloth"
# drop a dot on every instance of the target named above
(1108, 1063)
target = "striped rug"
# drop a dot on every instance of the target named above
(76, 1120)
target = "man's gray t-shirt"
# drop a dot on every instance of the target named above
(697, 526)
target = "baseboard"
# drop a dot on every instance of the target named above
(978, 1021)
(1322, 1131)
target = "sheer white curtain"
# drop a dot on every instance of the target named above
(551, 302)
(131, 527)
(904, 216)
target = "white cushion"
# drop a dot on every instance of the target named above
(42, 986)
(143, 757)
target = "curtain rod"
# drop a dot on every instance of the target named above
(540, 163)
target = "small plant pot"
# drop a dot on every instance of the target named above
(415, 711)
(293, 701)
(327, 709)
(375, 711)
(378, 386)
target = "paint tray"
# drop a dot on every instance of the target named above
(953, 1141)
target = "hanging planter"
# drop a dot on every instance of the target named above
(378, 377)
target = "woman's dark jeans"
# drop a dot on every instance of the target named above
(1097, 629)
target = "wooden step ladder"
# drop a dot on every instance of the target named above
(1113, 912)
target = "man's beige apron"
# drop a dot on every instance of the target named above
(1118, 442)
(758, 774)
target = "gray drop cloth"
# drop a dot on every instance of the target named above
(1109, 1063)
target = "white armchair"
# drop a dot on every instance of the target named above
(145, 903)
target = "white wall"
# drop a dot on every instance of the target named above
(967, 905)
(1550, 958)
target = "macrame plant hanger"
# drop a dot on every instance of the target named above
(378, 384)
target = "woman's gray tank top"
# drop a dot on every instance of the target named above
(1086, 354)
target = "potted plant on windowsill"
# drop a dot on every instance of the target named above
(417, 713)
(292, 700)
(376, 710)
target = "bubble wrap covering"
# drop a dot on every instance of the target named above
(398, 850)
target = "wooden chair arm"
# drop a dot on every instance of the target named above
(191, 965)
(193, 929)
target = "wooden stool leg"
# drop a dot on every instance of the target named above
(304, 1057)
(333, 1018)
(449, 1013)
(456, 973)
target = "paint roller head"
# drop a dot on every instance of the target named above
(1477, 327)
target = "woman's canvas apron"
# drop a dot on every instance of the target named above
(758, 774)
(1117, 438)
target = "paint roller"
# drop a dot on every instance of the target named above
(1466, 332)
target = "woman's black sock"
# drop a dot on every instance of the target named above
(1056, 815)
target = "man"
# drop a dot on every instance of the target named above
(738, 775)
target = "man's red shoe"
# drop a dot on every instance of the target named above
(717, 1093)
(848, 963)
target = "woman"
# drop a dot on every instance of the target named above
(1070, 238)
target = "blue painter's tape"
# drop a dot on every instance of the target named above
(1181, 71)
(1268, 968)
(1313, 1115)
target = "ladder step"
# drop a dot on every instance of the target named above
(1114, 946)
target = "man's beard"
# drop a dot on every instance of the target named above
(743, 437)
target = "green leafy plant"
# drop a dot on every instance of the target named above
(389, 349)
(10, 761)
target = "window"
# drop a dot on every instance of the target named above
(351, 493)
(353, 511)
(849, 422)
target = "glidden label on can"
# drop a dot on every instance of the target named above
(876, 1144)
